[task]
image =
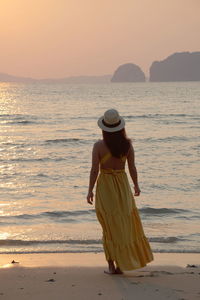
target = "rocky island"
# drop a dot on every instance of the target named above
(182, 66)
(128, 73)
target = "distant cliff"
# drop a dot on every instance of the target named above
(79, 79)
(10, 78)
(183, 66)
(128, 73)
(75, 79)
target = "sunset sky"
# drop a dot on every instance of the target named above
(61, 38)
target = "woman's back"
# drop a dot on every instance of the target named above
(107, 161)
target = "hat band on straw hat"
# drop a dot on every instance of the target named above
(111, 125)
(111, 121)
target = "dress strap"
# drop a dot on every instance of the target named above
(123, 158)
(105, 157)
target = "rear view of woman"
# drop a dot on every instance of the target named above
(124, 241)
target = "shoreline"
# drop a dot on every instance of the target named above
(98, 259)
(81, 252)
(81, 276)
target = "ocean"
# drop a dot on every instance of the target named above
(46, 136)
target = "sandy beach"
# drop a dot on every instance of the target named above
(81, 276)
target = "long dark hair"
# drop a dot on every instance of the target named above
(117, 142)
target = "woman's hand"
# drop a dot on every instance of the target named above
(90, 197)
(137, 190)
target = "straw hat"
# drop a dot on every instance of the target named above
(111, 121)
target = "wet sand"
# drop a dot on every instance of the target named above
(81, 276)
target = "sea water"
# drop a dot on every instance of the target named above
(47, 132)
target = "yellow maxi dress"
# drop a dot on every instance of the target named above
(124, 240)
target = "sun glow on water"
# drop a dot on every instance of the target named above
(4, 235)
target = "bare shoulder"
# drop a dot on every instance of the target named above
(98, 143)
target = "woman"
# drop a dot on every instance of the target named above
(125, 245)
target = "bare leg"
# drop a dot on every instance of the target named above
(111, 268)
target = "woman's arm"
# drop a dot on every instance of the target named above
(133, 170)
(93, 173)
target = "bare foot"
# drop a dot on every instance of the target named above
(111, 268)
(109, 272)
(118, 271)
